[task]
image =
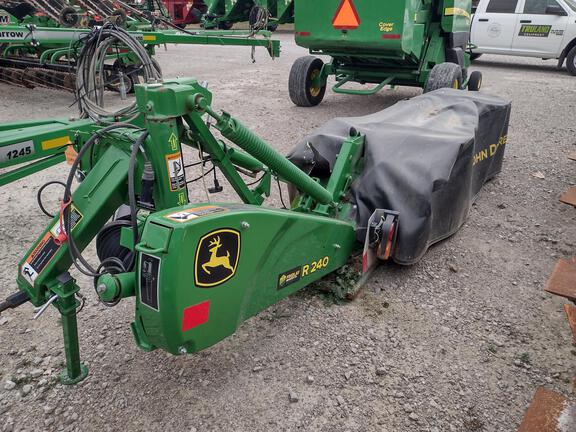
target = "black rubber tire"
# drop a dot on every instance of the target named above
(69, 17)
(194, 16)
(571, 61)
(300, 82)
(225, 25)
(444, 75)
(474, 56)
(475, 81)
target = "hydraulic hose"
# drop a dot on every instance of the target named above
(91, 78)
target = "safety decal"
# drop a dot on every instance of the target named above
(194, 213)
(217, 256)
(175, 167)
(173, 141)
(75, 218)
(346, 17)
(531, 30)
(149, 280)
(288, 278)
(46, 248)
(454, 11)
(16, 151)
(39, 258)
(196, 315)
(56, 143)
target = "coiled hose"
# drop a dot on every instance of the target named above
(90, 75)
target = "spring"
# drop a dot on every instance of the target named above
(233, 130)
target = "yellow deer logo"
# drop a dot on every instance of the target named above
(215, 260)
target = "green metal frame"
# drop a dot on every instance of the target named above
(64, 37)
(29, 147)
(401, 52)
(316, 233)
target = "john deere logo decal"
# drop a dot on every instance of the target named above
(216, 257)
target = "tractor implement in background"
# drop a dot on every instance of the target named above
(42, 56)
(131, 63)
(375, 43)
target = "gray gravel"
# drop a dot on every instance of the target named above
(458, 342)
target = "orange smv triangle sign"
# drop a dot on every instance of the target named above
(346, 17)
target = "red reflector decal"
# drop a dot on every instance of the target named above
(303, 33)
(390, 36)
(195, 315)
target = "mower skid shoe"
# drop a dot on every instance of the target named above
(380, 239)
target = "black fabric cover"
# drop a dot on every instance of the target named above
(426, 157)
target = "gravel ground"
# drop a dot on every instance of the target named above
(458, 342)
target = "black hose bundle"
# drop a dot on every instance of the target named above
(91, 75)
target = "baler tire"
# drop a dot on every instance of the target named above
(475, 81)
(225, 25)
(571, 61)
(444, 75)
(300, 82)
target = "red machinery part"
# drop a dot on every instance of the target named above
(184, 12)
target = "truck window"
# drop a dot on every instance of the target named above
(538, 6)
(571, 4)
(502, 6)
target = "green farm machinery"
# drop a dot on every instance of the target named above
(48, 56)
(419, 43)
(83, 13)
(198, 270)
(372, 186)
(259, 13)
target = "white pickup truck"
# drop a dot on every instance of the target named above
(531, 28)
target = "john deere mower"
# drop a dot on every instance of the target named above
(373, 186)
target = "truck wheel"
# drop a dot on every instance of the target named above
(475, 81)
(303, 72)
(444, 75)
(571, 61)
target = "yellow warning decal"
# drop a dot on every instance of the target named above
(55, 143)
(149, 37)
(456, 11)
